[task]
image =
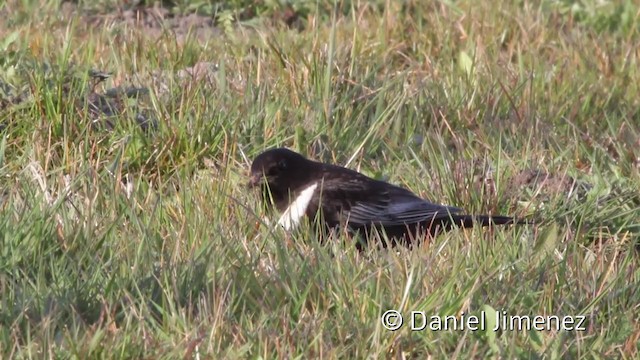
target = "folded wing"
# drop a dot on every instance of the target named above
(396, 209)
(365, 202)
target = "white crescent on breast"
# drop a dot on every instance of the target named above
(293, 214)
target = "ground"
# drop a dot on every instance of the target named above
(128, 129)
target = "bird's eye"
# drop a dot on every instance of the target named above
(277, 168)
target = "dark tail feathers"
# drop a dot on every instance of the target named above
(486, 220)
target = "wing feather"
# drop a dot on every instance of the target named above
(366, 201)
(400, 211)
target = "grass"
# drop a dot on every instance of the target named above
(119, 241)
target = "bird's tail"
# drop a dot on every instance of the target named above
(486, 220)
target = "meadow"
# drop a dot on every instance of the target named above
(128, 128)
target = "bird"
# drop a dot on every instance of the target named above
(340, 198)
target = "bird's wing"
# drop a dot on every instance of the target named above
(364, 203)
(390, 210)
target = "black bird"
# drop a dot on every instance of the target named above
(300, 187)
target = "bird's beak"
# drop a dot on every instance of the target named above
(256, 179)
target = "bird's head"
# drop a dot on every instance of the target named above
(278, 169)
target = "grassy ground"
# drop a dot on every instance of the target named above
(127, 232)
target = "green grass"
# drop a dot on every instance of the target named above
(126, 243)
